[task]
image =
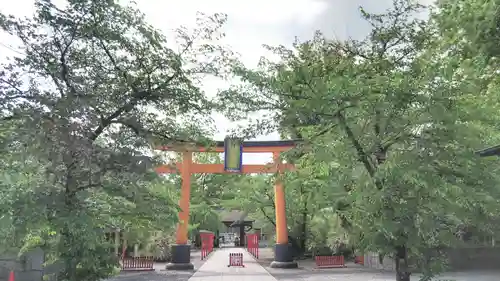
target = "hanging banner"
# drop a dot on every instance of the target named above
(233, 155)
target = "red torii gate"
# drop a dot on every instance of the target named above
(181, 252)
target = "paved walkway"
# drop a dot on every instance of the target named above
(215, 268)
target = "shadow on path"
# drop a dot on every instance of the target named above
(160, 274)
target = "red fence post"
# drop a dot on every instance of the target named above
(256, 245)
(250, 243)
(203, 244)
(212, 239)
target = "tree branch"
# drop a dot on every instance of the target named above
(271, 199)
(137, 96)
(267, 216)
(362, 156)
(64, 52)
(128, 106)
(30, 50)
(139, 130)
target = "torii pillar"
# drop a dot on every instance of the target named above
(181, 252)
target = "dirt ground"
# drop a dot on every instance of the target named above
(354, 272)
(160, 274)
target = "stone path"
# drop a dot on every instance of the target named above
(216, 269)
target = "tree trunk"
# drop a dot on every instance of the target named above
(303, 229)
(402, 268)
(303, 234)
(68, 244)
(69, 261)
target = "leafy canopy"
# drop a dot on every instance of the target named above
(394, 120)
(94, 87)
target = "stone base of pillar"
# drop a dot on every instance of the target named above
(283, 257)
(181, 258)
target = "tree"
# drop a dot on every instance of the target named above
(208, 194)
(392, 120)
(30, 204)
(95, 86)
(254, 194)
(471, 25)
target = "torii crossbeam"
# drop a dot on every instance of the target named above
(181, 257)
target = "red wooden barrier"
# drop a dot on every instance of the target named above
(138, 263)
(329, 261)
(253, 244)
(235, 259)
(207, 244)
(359, 260)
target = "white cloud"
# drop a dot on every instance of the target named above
(250, 25)
(257, 12)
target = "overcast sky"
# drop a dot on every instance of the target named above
(250, 24)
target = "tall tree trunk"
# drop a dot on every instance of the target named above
(303, 232)
(68, 245)
(303, 226)
(402, 267)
